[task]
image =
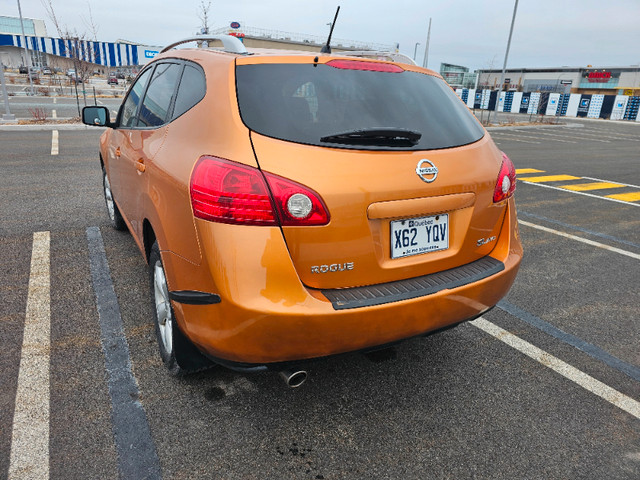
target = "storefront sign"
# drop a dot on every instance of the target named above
(599, 77)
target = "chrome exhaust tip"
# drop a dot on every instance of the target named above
(293, 378)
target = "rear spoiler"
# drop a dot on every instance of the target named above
(380, 55)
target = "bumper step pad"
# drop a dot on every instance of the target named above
(345, 298)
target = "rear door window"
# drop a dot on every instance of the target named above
(306, 103)
(160, 93)
(191, 90)
(130, 107)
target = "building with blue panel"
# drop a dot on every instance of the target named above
(58, 52)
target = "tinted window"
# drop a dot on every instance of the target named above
(303, 103)
(158, 98)
(130, 107)
(191, 90)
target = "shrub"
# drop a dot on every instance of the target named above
(38, 114)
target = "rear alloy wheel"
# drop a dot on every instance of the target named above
(178, 354)
(117, 222)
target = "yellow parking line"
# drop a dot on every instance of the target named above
(627, 197)
(549, 178)
(521, 171)
(583, 187)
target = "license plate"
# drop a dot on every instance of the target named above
(414, 236)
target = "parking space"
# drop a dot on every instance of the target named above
(546, 385)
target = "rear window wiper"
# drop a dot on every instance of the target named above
(387, 137)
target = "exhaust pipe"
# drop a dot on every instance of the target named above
(293, 377)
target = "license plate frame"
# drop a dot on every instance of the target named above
(416, 236)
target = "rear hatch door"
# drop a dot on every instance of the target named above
(405, 171)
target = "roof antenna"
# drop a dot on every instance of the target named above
(326, 48)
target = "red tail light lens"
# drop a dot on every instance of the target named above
(506, 184)
(366, 66)
(293, 207)
(228, 192)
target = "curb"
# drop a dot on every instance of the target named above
(47, 127)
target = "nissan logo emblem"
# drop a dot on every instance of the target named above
(427, 173)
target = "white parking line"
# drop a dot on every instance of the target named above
(542, 133)
(580, 193)
(54, 114)
(590, 138)
(587, 382)
(30, 436)
(613, 134)
(580, 239)
(55, 100)
(54, 142)
(515, 138)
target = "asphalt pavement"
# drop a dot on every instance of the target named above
(546, 385)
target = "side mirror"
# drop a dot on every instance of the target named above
(96, 116)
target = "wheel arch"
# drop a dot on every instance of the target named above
(148, 238)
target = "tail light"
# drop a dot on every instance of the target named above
(228, 192)
(506, 184)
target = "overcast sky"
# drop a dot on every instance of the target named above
(473, 33)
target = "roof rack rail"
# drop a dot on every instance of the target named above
(230, 44)
(380, 55)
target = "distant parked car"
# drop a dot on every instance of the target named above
(23, 69)
(112, 80)
(71, 72)
(47, 71)
(75, 79)
(120, 75)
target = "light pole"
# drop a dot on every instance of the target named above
(506, 56)
(425, 62)
(27, 58)
(415, 50)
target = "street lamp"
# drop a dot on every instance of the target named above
(506, 56)
(415, 50)
(27, 59)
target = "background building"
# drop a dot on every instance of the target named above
(458, 76)
(264, 38)
(33, 27)
(65, 53)
(588, 80)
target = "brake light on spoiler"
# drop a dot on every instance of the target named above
(365, 66)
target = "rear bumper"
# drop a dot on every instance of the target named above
(267, 316)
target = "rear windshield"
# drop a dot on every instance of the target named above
(315, 104)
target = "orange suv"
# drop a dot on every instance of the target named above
(294, 205)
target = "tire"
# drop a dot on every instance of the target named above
(178, 354)
(117, 222)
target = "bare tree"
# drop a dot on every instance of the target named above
(76, 48)
(203, 15)
(91, 24)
